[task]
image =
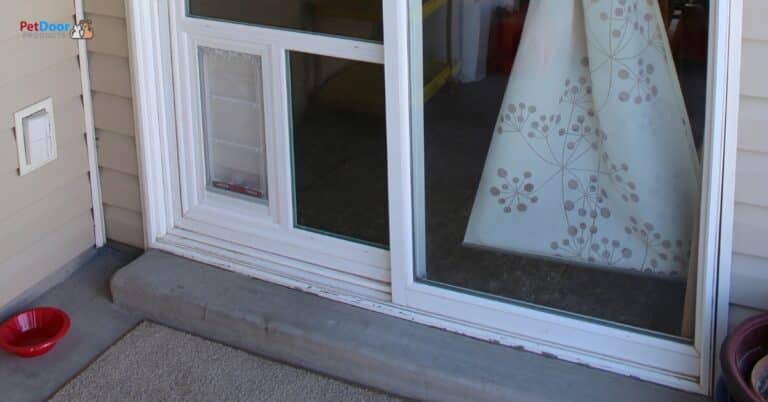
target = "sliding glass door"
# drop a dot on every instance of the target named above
(559, 164)
(555, 172)
(281, 136)
(335, 121)
(542, 174)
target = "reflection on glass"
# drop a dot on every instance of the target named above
(360, 19)
(233, 122)
(559, 160)
(339, 147)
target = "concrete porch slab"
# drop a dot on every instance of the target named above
(96, 324)
(380, 351)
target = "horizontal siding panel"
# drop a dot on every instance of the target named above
(113, 118)
(117, 152)
(20, 191)
(57, 81)
(68, 113)
(749, 281)
(45, 216)
(32, 10)
(124, 226)
(38, 54)
(750, 259)
(754, 65)
(110, 35)
(755, 12)
(113, 113)
(110, 74)
(120, 190)
(738, 313)
(112, 8)
(69, 119)
(70, 127)
(752, 178)
(9, 166)
(37, 220)
(45, 256)
(753, 123)
(750, 229)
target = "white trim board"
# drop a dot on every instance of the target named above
(100, 233)
(730, 68)
(170, 227)
(749, 281)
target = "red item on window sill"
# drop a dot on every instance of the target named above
(504, 38)
(236, 188)
(689, 39)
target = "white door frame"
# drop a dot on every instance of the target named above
(653, 358)
(278, 260)
(197, 219)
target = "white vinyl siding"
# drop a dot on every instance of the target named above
(749, 282)
(113, 117)
(45, 216)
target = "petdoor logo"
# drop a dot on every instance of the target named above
(47, 29)
(44, 29)
(83, 30)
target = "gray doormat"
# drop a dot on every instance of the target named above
(156, 363)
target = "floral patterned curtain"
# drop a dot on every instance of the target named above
(592, 160)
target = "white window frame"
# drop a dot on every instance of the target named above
(195, 217)
(654, 358)
(343, 271)
(197, 200)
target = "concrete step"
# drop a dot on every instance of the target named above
(380, 351)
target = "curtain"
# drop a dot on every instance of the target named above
(592, 160)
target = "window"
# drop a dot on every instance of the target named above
(559, 161)
(339, 147)
(360, 19)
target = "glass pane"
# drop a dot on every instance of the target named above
(557, 165)
(360, 19)
(339, 147)
(233, 117)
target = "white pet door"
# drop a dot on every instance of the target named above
(233, 122)
(282, 138)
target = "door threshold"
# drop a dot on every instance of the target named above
(377, 350)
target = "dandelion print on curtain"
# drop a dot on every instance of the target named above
(592, 160)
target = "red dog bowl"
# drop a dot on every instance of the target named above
(33, 332)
